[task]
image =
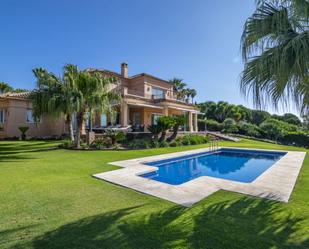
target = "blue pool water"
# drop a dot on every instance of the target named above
(231, 164)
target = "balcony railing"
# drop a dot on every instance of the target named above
(168, 95)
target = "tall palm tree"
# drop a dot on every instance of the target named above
(53, 96)
(275, 48)
(4, 87)
(192, 94)
(92, 92)
(178, 86)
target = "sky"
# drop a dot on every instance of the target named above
(195, 40)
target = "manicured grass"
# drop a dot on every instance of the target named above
(48, 199)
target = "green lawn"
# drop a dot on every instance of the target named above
(48, 199)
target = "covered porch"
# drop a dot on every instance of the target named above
(136, 117)
(139, 116)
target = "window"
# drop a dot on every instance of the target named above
(137, 120)
(30, 117)
(157, 93)
(154, 118)
(2, 116)
(103, 119)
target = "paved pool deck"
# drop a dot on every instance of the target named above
(276, 183)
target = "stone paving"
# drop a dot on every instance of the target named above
(275, 183)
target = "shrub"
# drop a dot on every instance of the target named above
(67, 144)
(295, 138)
(84, 146)
(272, 130)
(23, 130)
(192, 139)
(101, 143)
(115, 136)
(230, 126)
(163, 144)
(154, 144)
(248, 129)
(140, 144)
(175, 143)
(211, 125)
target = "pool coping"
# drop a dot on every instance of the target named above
(276, 183)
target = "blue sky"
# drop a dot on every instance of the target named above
(196, 40)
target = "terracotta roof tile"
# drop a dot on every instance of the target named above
(21, 95)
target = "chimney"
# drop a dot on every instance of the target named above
(124, 70)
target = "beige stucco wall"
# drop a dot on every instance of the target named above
(15, 116)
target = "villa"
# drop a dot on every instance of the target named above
(144, 99)
(16, 111)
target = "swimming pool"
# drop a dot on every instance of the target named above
(231, 164)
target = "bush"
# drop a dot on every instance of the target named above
(101, 143)
(230, 126)
(248, 129)
(84, 146)
(154, 144)
(192, 139)
(67, 144)
(140, 144)
(272, 130)
(211, 125)
(295, 138)
(115, 136)
(163, 144)
(175, 143)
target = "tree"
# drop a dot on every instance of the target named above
(229, 125)
(20, 90)
(75, 92)
(275, 49)
(289, 118)
(54, 96)
(91, 92)
(272, 130)
(178, 86)
(259, 117)
(192, 94)
(5, 87)
(178, 121)
(209, 109)
(221, 111)
(165, 123)
(155, 130)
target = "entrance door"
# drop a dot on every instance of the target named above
(137, 119)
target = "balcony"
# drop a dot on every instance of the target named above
(167, 95)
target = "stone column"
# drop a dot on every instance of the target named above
(190, 122)
(124, 113)
(195, 123)
(165, 111)
(90, 137)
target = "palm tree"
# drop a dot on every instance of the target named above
(53, 96)
(178, 121)
(4, 87)
(178, 86)
(275, 48)
(92, 92)
(165, 123)
(192, 94)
